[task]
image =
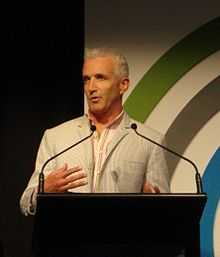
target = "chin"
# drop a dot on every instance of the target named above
(97, 111)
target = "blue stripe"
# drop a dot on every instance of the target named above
(211, 182)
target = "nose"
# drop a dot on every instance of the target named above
(91, 86)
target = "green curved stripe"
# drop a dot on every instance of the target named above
(171, 67)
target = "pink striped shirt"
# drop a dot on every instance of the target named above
(100, 147)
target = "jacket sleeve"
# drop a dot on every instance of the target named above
(157, 170)
(28, 201)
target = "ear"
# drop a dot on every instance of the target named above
(124, 85)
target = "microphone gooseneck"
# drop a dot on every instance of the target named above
(41, 175)
(197, 175)
(92, 128)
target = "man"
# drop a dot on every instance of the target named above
(114, 159)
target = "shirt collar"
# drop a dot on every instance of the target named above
(112, 123)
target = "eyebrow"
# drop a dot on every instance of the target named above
(95, 75)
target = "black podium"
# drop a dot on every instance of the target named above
(113, 225)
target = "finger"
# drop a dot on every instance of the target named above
(75, 175)
(75, 183)
(148, 188)
(157, 190)
(68, 172)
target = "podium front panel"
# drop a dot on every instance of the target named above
(100, 221)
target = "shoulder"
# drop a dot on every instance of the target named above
(79, 121)
(147, 131)
(68, 127)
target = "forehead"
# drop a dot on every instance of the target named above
(98, 65)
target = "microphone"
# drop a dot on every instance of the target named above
(41, 175)
(197, 175)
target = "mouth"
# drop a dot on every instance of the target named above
(95, 99)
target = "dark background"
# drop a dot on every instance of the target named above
(44, 54)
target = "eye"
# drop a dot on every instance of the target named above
(85, 79)
(100, 77)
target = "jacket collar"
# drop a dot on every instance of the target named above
(83, 123)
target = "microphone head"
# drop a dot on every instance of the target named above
(134, 126)
(93, 128)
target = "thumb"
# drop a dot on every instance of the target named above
(63, 168)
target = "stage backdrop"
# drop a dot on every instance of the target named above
(173, 51)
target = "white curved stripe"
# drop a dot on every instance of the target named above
(217, 232)
(183, 91)
(200, 150)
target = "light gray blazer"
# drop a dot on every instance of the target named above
(130, 161)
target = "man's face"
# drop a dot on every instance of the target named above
(103, 88)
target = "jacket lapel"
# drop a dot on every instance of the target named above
(87, 149)
(123, 130)
(84, 129)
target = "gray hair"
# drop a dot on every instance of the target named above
(122, 69)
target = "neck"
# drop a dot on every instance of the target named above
(102, 121)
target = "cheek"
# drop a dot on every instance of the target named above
(114, 93)
(110, 96)
(85, 90)
(110, 92)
